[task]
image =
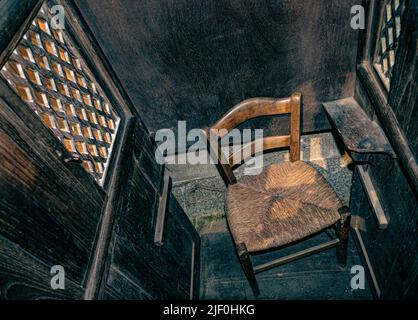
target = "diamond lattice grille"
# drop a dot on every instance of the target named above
(51, 77)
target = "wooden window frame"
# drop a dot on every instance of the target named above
(368, 44)
(95, 60)
(380, 10)
(368, 47)
(375, 90)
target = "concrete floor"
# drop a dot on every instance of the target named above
(201, 192)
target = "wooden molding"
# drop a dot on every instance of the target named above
(162, 210)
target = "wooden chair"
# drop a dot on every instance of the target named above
(286, 202)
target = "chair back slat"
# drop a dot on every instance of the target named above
(296, 101)
(249, 149)
(249, 109)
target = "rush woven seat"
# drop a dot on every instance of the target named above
(286, 202)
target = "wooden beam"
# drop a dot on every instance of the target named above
(97, 266)
(192, 273)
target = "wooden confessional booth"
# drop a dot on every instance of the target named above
(87, 211)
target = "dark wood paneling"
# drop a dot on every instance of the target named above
(120, 287)
(395, 110)
(389, 122)
(24, 277)
(392, 250)
(180, 230)
(399, 243)
(50, 210)
(403, 95)
(193, 60)
(404, 269)
(144, 150)
(161, 271)
(14, 15)
(43, 204)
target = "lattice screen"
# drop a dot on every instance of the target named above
(50, 75)
(390, 31)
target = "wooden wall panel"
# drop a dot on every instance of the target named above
(43, 204)
(404, 269)
(150, 271)
(404, 87)
(121, 287)
(144, 151)
(193, 60)
(399, 242)
(13, 15)
(392, 250)
(25, 277)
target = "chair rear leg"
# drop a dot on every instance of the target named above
(343, 230)
(247, 266)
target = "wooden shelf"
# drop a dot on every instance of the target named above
(361, 136)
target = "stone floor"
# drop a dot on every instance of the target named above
(201, 192)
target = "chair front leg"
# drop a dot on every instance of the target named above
(247, 266)
(343, 230)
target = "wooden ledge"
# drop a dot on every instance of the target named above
(361, 136)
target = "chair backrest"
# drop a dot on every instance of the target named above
(249, 109)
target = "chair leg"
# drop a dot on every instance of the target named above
(343, 230)
(247, 266)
